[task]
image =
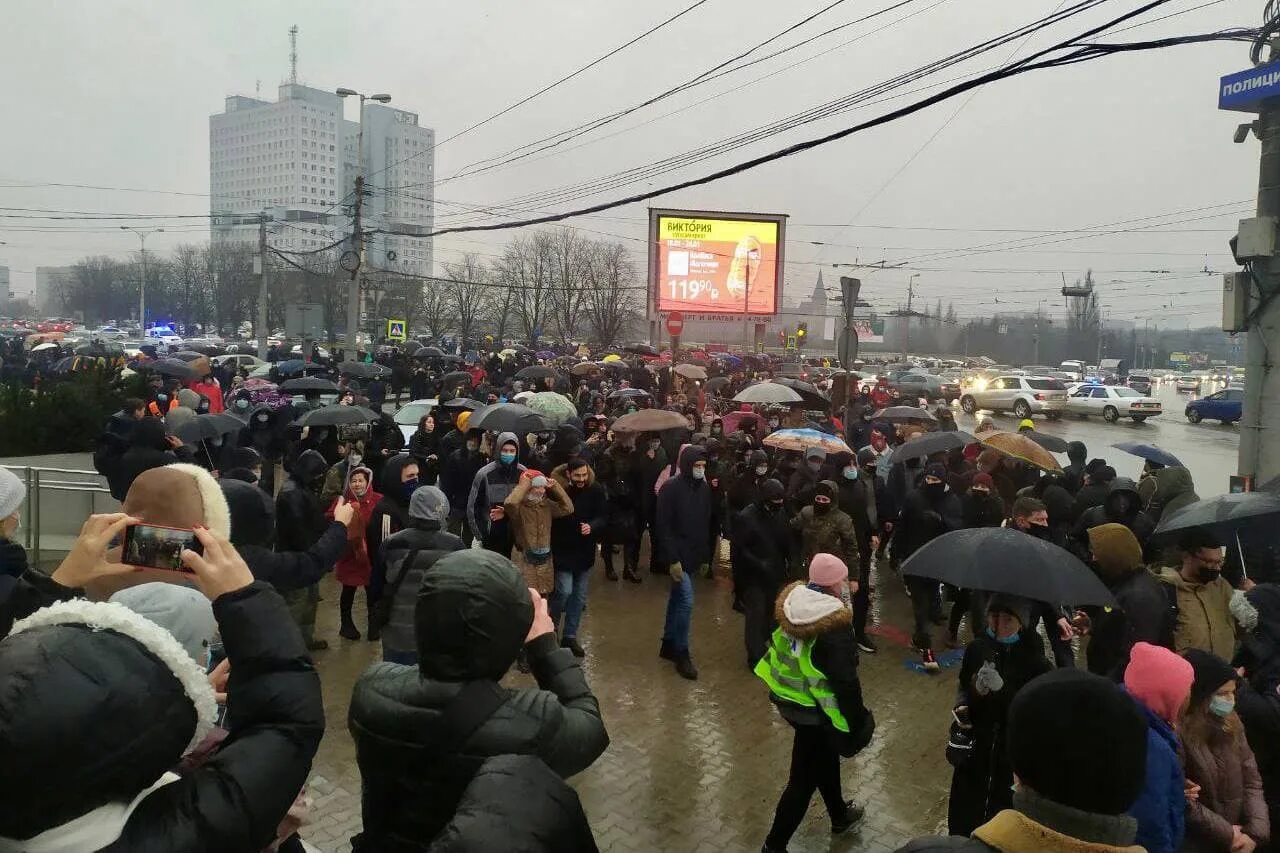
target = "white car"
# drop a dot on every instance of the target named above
(1188, 384)
(239, 360)
(1022, 395)
(109, 333)
(410, 413)
(1113, 402)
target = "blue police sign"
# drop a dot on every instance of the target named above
(1245, 91)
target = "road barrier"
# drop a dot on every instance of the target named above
(53, 514)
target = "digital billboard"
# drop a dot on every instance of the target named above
(707, 263)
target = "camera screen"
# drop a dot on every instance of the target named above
(158, 547)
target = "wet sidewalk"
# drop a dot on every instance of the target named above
(697, 766)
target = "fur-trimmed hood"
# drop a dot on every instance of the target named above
(804, 613)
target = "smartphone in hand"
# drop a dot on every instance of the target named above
(154, 546)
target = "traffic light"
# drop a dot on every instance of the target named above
(802, 332)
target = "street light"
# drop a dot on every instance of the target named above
(142, 233)
(353, 298)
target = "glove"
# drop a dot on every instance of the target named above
(987, 680)
(677, 572)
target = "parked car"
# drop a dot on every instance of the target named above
(915, 385)
(1187, 383)
(1113, 403)
(410, 413)
(1022, 395)
(1226, 406)
(238, 360)
(1141, 383)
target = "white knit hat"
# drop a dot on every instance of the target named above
(12, 493)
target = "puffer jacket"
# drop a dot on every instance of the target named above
(831, 532)
(1174, 489)
(253, 528)
(684, 515)
(300, 517)
(1122, 505)
(149, 449)
(1140, 612)
(491, 486)
(570, 549)
(391, 515)
(1160, 809)
(472, 616)
(1230, 793)
(1202, 619)
(425, 536)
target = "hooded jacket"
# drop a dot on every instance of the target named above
(389, 516)
(1140, 610)
(491, 485)
(684, 515)
(1174, 489)
(457, 472)
(1095, 492)
(472, 616)
(425, 535)
(142, 702)
(1257, 697)
(253, 529)
(1121, 490)
(924, 518)
(1202, 616)
(149, 449)
(830, 532)
(762, 542)
(354, 567)
(300, 517)
(619, 473)
(571, 550)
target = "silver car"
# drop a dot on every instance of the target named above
(1023, 395)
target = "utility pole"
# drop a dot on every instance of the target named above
(906, 338)
(357, 235)
(261, 264)
(142, 233)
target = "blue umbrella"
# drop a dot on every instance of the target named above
(1149, 452)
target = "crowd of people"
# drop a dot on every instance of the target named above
(473, 550)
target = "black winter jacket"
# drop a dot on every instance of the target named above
(473, 613)
(391, 515)
(148, 450)
(253, 531)
(456, 473)
(1140, 614)
(1110, 511)
(300, 517)
(982, 511)
(684, 515)
(569, 548)
(761, 546)
(431, 543)
(924, 519)
(619, 473)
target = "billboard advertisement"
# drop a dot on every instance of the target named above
(708, 263)
(869, 331)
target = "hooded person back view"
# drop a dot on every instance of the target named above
(300, 522)
(1139, 612)
(421, 733)
(253, 531)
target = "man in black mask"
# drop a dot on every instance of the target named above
(927, 512)
(1201, 616)
(1032, 517)
(761, 551)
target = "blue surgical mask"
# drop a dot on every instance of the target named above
(851, 473)
(1007, 641)
(506, 457)
(1221, 706)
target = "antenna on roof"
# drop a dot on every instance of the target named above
(293, 54)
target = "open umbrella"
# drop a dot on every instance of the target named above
(363, 370)
(205, 427)
(537, 371)
(172, 367)
(929, 443)
(44, 347)
(906, 415)
(556, 408)
(1224, 515)
(809, 393)
(428, 352)
(545, 355)
(1149, 452)
(308, 383)
(650, 420)
(337, 415)
(507, 417)
(1001, 559)
(1018, 446)
(461, 403)
(641, 349)
(584, 368)
(1051, 443)
(715, 383)
(187, 355)
(768, 392)
(612, 357)
(803, 439)
(628, 393)
(690, 371)
(455, 379)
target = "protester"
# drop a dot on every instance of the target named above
(801, 485)
(684, 516)
(530, 509)
(353, 569)
(1160, 682)
(573, 546)
(619, 474)
(300, 521)
(422, 732)
(927, 513)
(1172, 490)
(253, 533)
(761, 557)
(1073, 473)
(408, 555)
(390, 515)
(1199, 612)
(457, 473)
(857, 499)
(152, 447)
(1032, 517)
(13, 557)
(1120, 506)
(1138, 614)
(997, 664)
(811, 669)
(489, 490)
(1258, 695)
(1060, 726)
(1095, 480)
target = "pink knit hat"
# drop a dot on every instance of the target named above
(1159, 679)
(829, 570)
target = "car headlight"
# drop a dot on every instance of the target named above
(980, 384)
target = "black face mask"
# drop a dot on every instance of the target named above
(821, 509)
(772, 506)
(934, 490)
(1040, 531)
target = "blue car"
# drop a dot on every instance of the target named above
(1225, 406)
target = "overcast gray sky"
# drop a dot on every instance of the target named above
(119, 93)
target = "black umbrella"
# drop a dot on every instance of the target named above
(1000, 559)
(641, 349)
(429, 352)
(455, 378)
(1224, 515)
(507, 417)
(363, 370)
(188, 355)
(809, 393)
(308, 383)
(461, 403)
(538, 371)
(1051, 443)
(905, 415)
(204, 427)
(930, 443)
(337, 415)
(171, 367)
(1149, 452)
(715, 383)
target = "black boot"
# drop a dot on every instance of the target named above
(630, 574)
(571, 643)
(608, 570)
(348, 630)
(374, 633)
(852, 814)
(685, 667)
(667, 652)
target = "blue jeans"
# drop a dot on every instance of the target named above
(569, 598)
(679, 614)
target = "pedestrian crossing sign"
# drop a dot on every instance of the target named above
(395, 330)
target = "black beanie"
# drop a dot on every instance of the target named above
(1078, 739)
(772, 490)
(1211, 673)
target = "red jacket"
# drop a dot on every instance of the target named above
(354, 567)
(212, 392)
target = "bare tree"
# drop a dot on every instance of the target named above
(435, 307)
(527, 269)
(190, 284)
(469, 284)
(570, 255)
(614, 294)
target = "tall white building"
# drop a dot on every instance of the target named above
(295, 158)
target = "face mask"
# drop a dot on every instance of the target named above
(654, 445)
(821, 509)
(507, 457)
(1006, 641)
(717, 430)
(935, 489)
(699, 473)
(262, 419)
(534, 499)
(773, 424)
(1209, 575)
(1040, 531)
(1221, 706)
(407, 488)
(851, 473)
(761, 470)
(773, 506)
(815, 467)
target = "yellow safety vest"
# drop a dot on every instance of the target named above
(789, 671)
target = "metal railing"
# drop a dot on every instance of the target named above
(37, 481)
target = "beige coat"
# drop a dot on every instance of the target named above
(531, 529)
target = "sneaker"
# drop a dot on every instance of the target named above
(317, 645)
(866, 646)
(630, 574)
(349, 632)
(666, 652)
(686, 669)
(929, 661)
(571, 643)
(852, 814)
